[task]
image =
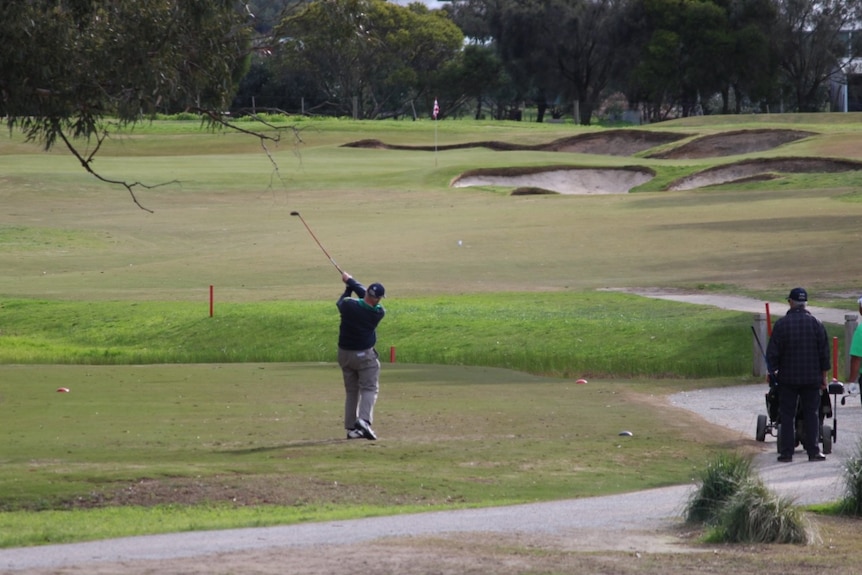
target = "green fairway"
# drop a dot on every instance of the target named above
(496, 305)
(391, 215)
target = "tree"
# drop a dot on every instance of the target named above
(368, 57)
(554, 50)
(754, 71)
(657, 54)
(64, 65)
(687, 51)
(268, 13)
(68, 65)
(813, 47)
(483, 75)
(584, 35)
(520, 36)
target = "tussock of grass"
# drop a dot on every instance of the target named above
(739, 508)
(722, 478)
(851, 503)
(756, 515)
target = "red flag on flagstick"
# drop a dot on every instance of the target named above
(436, 109)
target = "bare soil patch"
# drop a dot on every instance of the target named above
(237, 490)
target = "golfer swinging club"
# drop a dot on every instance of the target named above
(356, 354)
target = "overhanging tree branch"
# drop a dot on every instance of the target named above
(86, 163)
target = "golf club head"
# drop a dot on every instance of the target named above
(294, 213)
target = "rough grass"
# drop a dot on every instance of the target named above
(562, 334)
(721, 479)
(851, 503)
(738, 507)
(754, 514)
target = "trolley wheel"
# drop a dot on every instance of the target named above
(761, 428)
(827, 439)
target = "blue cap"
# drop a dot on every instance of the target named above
(376, 290)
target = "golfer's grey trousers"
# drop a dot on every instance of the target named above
(361, 371)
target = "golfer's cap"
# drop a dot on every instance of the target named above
(799, 295)
(376, 290)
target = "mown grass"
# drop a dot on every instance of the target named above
(96, 284)
(239, 435)
(391, 215)
(560, 334)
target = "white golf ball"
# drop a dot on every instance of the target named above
(459, 242)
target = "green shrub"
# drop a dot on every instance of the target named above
(756, 515)
(720, 480)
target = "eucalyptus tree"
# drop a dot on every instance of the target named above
(267, 13)
(68, 68)
(753, 72)
(560, 52)
(590, 59)
(368, 58)
(521, 39)
(658, 75)
(684, 52)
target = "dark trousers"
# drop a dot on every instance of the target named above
(808, 397)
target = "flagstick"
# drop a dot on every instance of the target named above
(435, 142)
(434, 114)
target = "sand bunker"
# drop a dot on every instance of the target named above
(762, 169)
(732, 144)
(605, 143)
(562, 180)
(627, 142)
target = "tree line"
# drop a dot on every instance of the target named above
(375, 59)
(67, 66)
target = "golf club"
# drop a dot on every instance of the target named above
(297, 214)
(772, 381)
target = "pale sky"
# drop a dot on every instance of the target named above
(430, 3)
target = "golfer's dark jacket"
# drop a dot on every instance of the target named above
(799, 349)
(358, 319)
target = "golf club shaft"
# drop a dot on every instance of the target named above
(757, 339)
(297, 214)
(766, 361)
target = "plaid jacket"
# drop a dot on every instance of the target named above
(799, 349)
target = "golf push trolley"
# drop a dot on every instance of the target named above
(770, 423)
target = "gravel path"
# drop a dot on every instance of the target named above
(631, 521)
(739, 303)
